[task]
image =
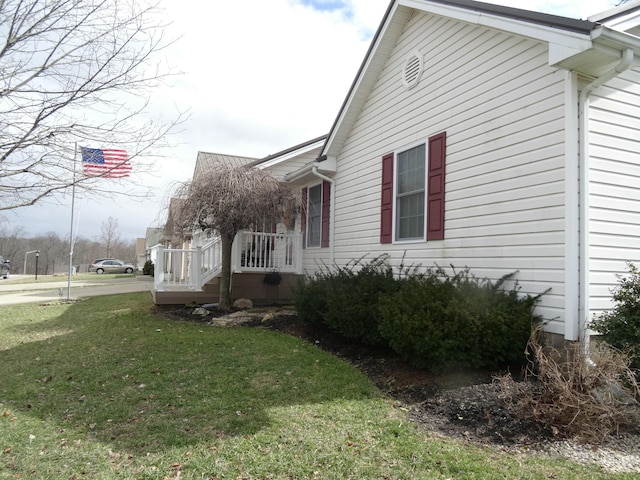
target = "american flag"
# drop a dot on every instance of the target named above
(109, 163)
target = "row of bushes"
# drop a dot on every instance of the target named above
(433, 319)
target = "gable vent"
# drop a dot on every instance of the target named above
(412, 70)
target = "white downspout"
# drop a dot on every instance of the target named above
(332, 210)
(583, 112)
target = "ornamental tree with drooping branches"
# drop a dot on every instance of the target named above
(227, 199)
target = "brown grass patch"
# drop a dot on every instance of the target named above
(584, 395)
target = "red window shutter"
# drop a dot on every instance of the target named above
(386, 203)
(303, 217)
(326, 213)
(435, 187)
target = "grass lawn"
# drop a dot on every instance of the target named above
(102, 389)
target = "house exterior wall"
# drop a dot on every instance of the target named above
(502, 108)
(614, 187)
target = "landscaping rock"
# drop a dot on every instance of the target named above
(243, 303)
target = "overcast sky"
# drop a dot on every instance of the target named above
(259, 76)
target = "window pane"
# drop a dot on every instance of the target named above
(314, 216)
(410, 196)
(410, 216)
(410, 170)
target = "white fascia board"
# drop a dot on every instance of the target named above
(616, 39)
(290, 155)
(562, 43)
(625, 23)
(617, 15)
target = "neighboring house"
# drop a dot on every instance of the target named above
(493, 138)
(153, 236)
(488, 137)
(206, 161)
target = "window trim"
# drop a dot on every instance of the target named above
(436, 164)
(308, 216)
(394, 218)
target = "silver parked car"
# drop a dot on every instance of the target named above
(4, 267)
(111, 265)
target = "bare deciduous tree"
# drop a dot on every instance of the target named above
(74, 71)
(11, 242)
(53, 250)
(228, 199)
(109, 233)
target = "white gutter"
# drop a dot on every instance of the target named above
(583, 112)
(298, 174)
(332, 209)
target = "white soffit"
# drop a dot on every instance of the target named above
(562, 43)
(605, 53)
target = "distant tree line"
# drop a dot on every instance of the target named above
(54, 251)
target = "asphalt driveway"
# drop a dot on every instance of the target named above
(44, 290)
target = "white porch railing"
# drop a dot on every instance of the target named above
(186, 268)
(192, 268)
(260, 252)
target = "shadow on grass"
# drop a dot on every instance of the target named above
(109, 369)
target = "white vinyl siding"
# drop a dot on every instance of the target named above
(502, 108)
(614, 161)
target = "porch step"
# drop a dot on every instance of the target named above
(209, 294)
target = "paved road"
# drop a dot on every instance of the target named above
(46, 290)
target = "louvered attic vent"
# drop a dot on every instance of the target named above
(412, 70)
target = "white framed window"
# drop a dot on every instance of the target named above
(314, 216)
(410, 191)
(412, 197)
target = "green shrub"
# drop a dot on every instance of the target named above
(148, 268)
(437, 321)
(434, 320)
(620, 327)
(310, 299)
(346, 298)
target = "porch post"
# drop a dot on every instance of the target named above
(195, 278)
(298, 253)
(158, 270)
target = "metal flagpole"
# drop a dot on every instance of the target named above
(73, 204)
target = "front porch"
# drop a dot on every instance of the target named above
(265, 268)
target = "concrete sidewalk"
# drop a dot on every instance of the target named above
(48, 291)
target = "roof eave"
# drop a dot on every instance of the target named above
(605, 50)
(289, 153)
(570, 35)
